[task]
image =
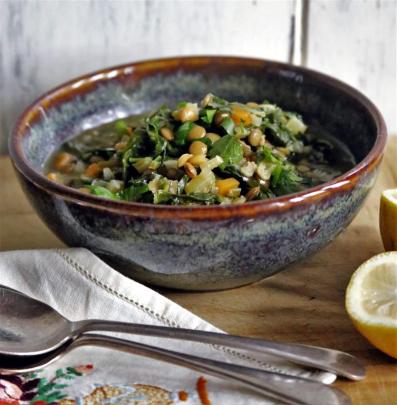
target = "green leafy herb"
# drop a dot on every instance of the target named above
(135, 147)
(279, 135)
(183, 132)
(229, 149)
(207, 115)
(218, 102)
(153, 125)
(165, 197)
(135, 191)
(207, 198)
(182, 183)
(228, 125)
(162, 197)
(103, 192)
(267, 155)
(285, 180)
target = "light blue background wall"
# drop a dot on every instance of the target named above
(43, 43)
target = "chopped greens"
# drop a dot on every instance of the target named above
(228, 125)
(183, 132)
(229, 149)
(207, 115)
(215, 152)
(135, 191)
(103, 192)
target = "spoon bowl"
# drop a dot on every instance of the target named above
(28, 326)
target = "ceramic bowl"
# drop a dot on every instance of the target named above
(205, 247)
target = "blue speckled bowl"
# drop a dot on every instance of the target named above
(199, 248)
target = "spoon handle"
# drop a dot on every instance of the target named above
(288, 389)
(334, 361)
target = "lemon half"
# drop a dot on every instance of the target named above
(388, 219)
(371, 301)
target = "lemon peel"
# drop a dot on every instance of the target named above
(371, 301)
(388, 219)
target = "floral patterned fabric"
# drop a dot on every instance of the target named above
(36, 389)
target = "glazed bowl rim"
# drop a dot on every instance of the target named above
(210, 212)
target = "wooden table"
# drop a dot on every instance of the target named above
(304, 304)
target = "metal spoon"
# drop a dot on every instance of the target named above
(288, 389)
(30, 327)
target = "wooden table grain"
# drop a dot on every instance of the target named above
(304, 303)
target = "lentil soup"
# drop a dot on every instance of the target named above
(212, 152)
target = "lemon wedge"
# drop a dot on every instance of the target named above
(388, 219)
(371, 301)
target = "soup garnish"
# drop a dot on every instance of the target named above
(214, 152)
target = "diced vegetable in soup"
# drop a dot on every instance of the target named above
(214, 152)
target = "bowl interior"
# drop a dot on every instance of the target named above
(326, 105)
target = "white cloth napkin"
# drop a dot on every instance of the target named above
(80, 286)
